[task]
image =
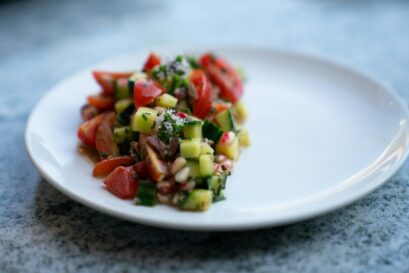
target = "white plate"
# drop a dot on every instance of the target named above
(322, 136)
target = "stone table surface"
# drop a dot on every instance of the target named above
(42, 42)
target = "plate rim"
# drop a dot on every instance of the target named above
(296, 217)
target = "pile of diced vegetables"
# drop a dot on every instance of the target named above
(169, 133)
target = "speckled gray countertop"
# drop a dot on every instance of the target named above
(42, 42)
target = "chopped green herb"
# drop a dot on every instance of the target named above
(145, 116)
(192, 122)
(169, 126)
(193, 62)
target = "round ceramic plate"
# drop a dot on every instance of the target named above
(323, 135)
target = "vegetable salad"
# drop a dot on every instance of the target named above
(169, 133)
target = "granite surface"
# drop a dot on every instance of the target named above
(42, 42)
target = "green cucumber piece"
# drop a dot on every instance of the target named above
(197, 200)
(121, 105)
(146, 195)
(231, 150)
(206, 165)
(206, 149)
(194, 169)
(240, 112)
(166, 100)
(122, 90)
(190, 148)
(216, 183)
(124, 112)
(135, 77)
(244, 138)
(193, 130)
(211, 131)
(123, 134)
(219, 197)
(226, 121)
(144, 120)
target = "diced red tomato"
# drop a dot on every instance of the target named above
(224, 76)
(107, 80)
(104, 137)
(145, 92)
(203, 103)
(101, 102)
(87, 131)
(181, 115)
(122, 182)
(152, 61)
(106, 166)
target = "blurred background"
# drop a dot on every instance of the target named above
(50, 39)
(44, 41)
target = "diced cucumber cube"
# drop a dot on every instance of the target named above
(206, 149)
(190, 148)
(216, 183)
(144, 120)
(122, 89)
(226, 121)
(244, 138)
(219, 197)
(206, 165)
(230, 149)
(123, 118)
(135, 77)
(121, 105)
(146, 194)
(166, 101)
(194, 169)
(240, 112)
(193, 130)
(211, 131)
(198, 200)
(123, 134)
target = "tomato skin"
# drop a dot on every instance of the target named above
(87, 131)
(104, 137)
(152, 61)
(224, 76)
(106, 166)
(145, 92)
(182, 115)
(203, 103)
(101, 102)
(122, 182)
(107, 80)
